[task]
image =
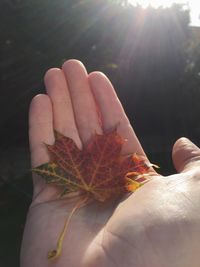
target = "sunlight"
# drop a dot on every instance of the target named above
(193, 5)
(157, 3)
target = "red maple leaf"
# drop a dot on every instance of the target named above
(99, 171)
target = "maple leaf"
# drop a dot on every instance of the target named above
(99, 171)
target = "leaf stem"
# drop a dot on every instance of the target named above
(54, 254)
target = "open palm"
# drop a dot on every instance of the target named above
(138, 231)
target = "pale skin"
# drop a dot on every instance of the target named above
(157, 226)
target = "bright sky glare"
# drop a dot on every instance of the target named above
(194, 6)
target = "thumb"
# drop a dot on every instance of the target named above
(185, 155)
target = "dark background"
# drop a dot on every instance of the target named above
(152, 56)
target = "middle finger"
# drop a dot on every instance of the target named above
(84, 106)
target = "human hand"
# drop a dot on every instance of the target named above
(156, 226)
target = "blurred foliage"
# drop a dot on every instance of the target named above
(143, 51)
(150, 55)
(190, 85)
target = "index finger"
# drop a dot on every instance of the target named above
(113, 113)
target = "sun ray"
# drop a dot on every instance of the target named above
(192, 5)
